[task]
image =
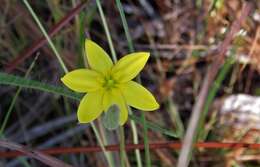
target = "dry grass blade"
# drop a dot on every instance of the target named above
(183, 160)
(46, 159)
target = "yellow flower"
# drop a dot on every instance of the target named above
(107, 84)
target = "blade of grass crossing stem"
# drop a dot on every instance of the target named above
(46, 35)
(10, 109)
(131, 49)
(60, 61)
(8, 79)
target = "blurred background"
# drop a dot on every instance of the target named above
(182, 36)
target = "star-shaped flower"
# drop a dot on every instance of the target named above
(107, 84)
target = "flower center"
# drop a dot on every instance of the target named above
(109, 83)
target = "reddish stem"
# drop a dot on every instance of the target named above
(129, 147)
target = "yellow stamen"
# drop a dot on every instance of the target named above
(109, 83)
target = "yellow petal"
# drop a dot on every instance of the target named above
(98, 59)
(90, 107)
(83, 80)
(114, 96)
(129, 66)
(139, 97)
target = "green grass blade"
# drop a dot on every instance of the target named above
(46, 35)
(7, 79)
(125, 26)
(213, 91)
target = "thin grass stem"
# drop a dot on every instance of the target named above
(46, 35)
(111, 46)
(10, 109)
(146, 142)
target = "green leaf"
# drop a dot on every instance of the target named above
(110, 118)
(7, 79)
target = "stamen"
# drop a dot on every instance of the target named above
(109, 83)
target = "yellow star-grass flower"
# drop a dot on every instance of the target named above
(107, 84)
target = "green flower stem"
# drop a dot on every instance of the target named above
(64, 69)
(131, 49)
(107, 155)
(135, 135)
(135, 139)
(112, 49)
(122, 146)
(46, 36)
(146, 142)
(103, 136)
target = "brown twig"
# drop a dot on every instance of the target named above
(183, 160)
(42, 41)
(172, 47)
(46, 159)
(129, 147)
